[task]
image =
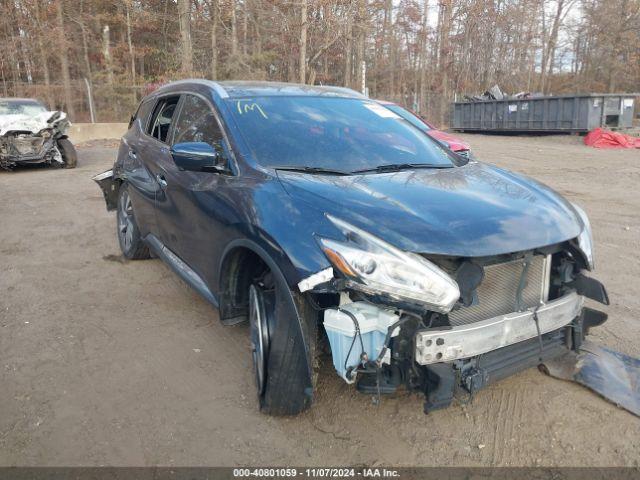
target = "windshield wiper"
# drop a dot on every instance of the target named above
(396, 167)
(311, 170)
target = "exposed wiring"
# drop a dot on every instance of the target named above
(357, 334)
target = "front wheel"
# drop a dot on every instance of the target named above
(131, 243)
(68, 152)
(283, 330)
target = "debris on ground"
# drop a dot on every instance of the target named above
(600, 138)
(613, 375)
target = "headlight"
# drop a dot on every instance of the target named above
(585, 239)
(376, 267)
(45, 133)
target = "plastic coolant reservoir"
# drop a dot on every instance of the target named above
(341, 330)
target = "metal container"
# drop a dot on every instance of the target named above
(566, 113)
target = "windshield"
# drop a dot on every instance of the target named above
(21, 108)
(342, 134)
(409, 117)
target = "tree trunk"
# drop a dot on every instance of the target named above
(547, 69)
(445, 29)
(44, 58)
(347, 51)
(132, 57)
(106, 52)
(423, 58)
(184, 14)
(303, 42)
(234, 30)
(213, 12)
(360, 44)
(245, 26)
(85, 46)
(64, 62)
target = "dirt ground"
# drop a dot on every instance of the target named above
(107, 362)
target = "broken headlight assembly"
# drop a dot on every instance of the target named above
(585, 239)
(375, 267)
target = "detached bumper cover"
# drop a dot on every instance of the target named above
(109, 186)
(434, 346)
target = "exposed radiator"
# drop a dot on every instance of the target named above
(497, 292)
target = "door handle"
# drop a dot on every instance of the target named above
(161, 180)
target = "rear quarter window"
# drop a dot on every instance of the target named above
(142, 113)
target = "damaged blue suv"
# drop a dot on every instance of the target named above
(319, 216)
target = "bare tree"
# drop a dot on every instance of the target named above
(184, 14)
(303, 41)
(64, 60)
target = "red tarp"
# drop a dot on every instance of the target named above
(599, 138)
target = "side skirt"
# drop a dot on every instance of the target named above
(182, 269)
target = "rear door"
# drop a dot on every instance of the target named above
(154, 149)
(186, 208)
(142, 186)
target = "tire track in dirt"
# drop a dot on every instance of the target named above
(508, 415)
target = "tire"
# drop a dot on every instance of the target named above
(131, 243)
(286, 326)
(68, 151)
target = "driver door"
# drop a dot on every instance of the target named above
(184, 206)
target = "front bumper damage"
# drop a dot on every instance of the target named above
(455, 343)
(26, 148)
(26, 140)
(391, 346)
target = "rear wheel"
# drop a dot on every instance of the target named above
(68, 152)
(131, 243)
(283, 330)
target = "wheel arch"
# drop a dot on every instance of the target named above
(242, 261)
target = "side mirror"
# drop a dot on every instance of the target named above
(197, 157)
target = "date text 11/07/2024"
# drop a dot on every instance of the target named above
(316, 472)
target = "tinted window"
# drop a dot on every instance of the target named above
(197, 123)
(161, 120)
(333, 133)
(21, 107)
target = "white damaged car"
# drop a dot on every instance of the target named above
(31, 134)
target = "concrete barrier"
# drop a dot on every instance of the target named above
(83, 132)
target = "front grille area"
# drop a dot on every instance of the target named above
(28, 145)
(497, 292)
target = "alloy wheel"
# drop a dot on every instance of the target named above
(125, 221)
(259, 333)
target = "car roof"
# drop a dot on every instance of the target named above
(248, 88)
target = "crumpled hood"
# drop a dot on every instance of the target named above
(472, 211)
(30, 123)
